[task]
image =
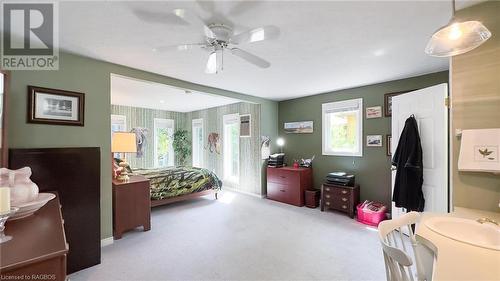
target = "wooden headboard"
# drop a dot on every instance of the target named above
(75, 174)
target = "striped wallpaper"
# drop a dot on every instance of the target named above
(250, 162)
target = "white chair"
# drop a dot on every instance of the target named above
(398, 261)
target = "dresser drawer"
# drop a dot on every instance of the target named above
(337, 203)
(283, 177)
(337, 191)
(278, 192)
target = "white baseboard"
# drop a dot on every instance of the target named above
(107, 241)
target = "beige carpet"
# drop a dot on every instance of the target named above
(240, 237)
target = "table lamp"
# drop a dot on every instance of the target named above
(280, 142)
(123, 143)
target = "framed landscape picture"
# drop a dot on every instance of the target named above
(304, 127)
(388, 102)
(374, 140)
(55, 107)
(373, 112)
(388, 141)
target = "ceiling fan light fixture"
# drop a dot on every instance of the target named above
(211, 67)
(457, 37)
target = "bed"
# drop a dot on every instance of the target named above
(174, 184)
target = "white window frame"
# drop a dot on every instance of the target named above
(197, 123)
(230, 119)
(169, 123)
(122, 119)
(340, 106)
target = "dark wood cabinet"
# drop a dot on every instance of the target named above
(75, 174)
(288, 184)
(131, 205)
(38, 247)
(340, 198)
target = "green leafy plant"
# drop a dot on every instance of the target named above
(182, 146)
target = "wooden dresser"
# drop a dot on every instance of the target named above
(288, 184)
(131, 205)
(38, 247)
(340, 198)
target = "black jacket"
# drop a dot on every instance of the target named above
(409, 174)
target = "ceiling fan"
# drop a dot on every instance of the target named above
(220, 38)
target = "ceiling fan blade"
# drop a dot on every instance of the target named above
(256, 34)
(157, 17)
(195, 20)
(251, 58)
(207, 6)
(182, 47)
(240, 7)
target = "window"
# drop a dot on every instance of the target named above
(231, 147)
(197, 133)
(163, 145)
(118, 123)
(343, 128)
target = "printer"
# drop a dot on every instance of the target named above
(340, 178)
(276, 160)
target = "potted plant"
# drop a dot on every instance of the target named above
(182, 146)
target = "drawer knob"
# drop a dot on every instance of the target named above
(327, 203)
(327, 196)
(282, 190)
(344, 207)
(327, 189)
(344, 191)
(344, 199)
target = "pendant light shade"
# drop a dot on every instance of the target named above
(457, 37)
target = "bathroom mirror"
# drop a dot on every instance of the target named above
(3, 118)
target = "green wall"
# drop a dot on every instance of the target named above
(373, 169)
(77, 73)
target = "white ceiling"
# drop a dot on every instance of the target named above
(324, 45)
(138, 93)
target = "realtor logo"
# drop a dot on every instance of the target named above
(29, 36)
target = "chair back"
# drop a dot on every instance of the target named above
(397, 257)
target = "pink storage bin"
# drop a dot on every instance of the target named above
(370, 217)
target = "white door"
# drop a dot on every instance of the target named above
(428, 106)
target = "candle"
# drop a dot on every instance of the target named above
(4, 199)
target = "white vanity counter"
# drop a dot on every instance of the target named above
(457, 260)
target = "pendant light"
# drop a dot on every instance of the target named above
(457, 37)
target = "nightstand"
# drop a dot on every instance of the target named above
(131, 205)
(340, 198)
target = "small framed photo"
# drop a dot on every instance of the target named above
(55, 107)
(374, 140)
(388, 102)
(245, 125)
(388, 141)
(373, 112)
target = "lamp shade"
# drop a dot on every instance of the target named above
(457, 38)
(123, 142)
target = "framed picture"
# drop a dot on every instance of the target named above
(373, 112)
(55, 107)
(374, 140)
(388, 141)
(303, 127)
(388, 102)
(245, 126)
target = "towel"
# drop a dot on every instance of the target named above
(479, 151)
